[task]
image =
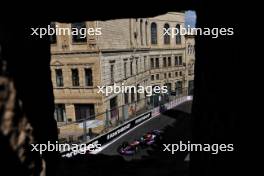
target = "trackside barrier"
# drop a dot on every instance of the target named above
(118, 131)
(171, 104)
(109, 136)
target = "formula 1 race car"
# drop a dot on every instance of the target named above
(150, 138)
(129, 148)
(146, 140)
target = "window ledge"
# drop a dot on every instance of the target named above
(79, 43)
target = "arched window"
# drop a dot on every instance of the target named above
(178, 36)
(141, 31)
(154, 33)
(166, 36)
(146, 32)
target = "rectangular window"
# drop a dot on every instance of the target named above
(176, 74)
(180, 73)
(138, 94)
(190, 87)
(131, 68)
(178, 87)
(112, 79)
(169, 61)
(113, 103)
(168, 85)
(169, 75)
(176, 60)
(59, 78)
(59, 113)
(157, 76)
(84, 111)
(165, 76)
(126, 98)
(136, 66)
(113, 107)
(152, 62)
(152, 77)
(145, 68)
(88, 77)
(180, 60)
(53, 37)
(78, 36)
(157, 62)
(132, 95)
(164, 62)
(125, 69)
(75, 77)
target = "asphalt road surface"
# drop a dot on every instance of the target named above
(151, 161)
(160, 122)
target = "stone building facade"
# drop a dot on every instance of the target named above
(129, 52)
(190, 61)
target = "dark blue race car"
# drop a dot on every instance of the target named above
(129, 148)
(150, 138)
(146, 140)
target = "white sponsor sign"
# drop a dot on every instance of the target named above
(92, 123)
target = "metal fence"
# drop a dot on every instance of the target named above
(86, 129)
